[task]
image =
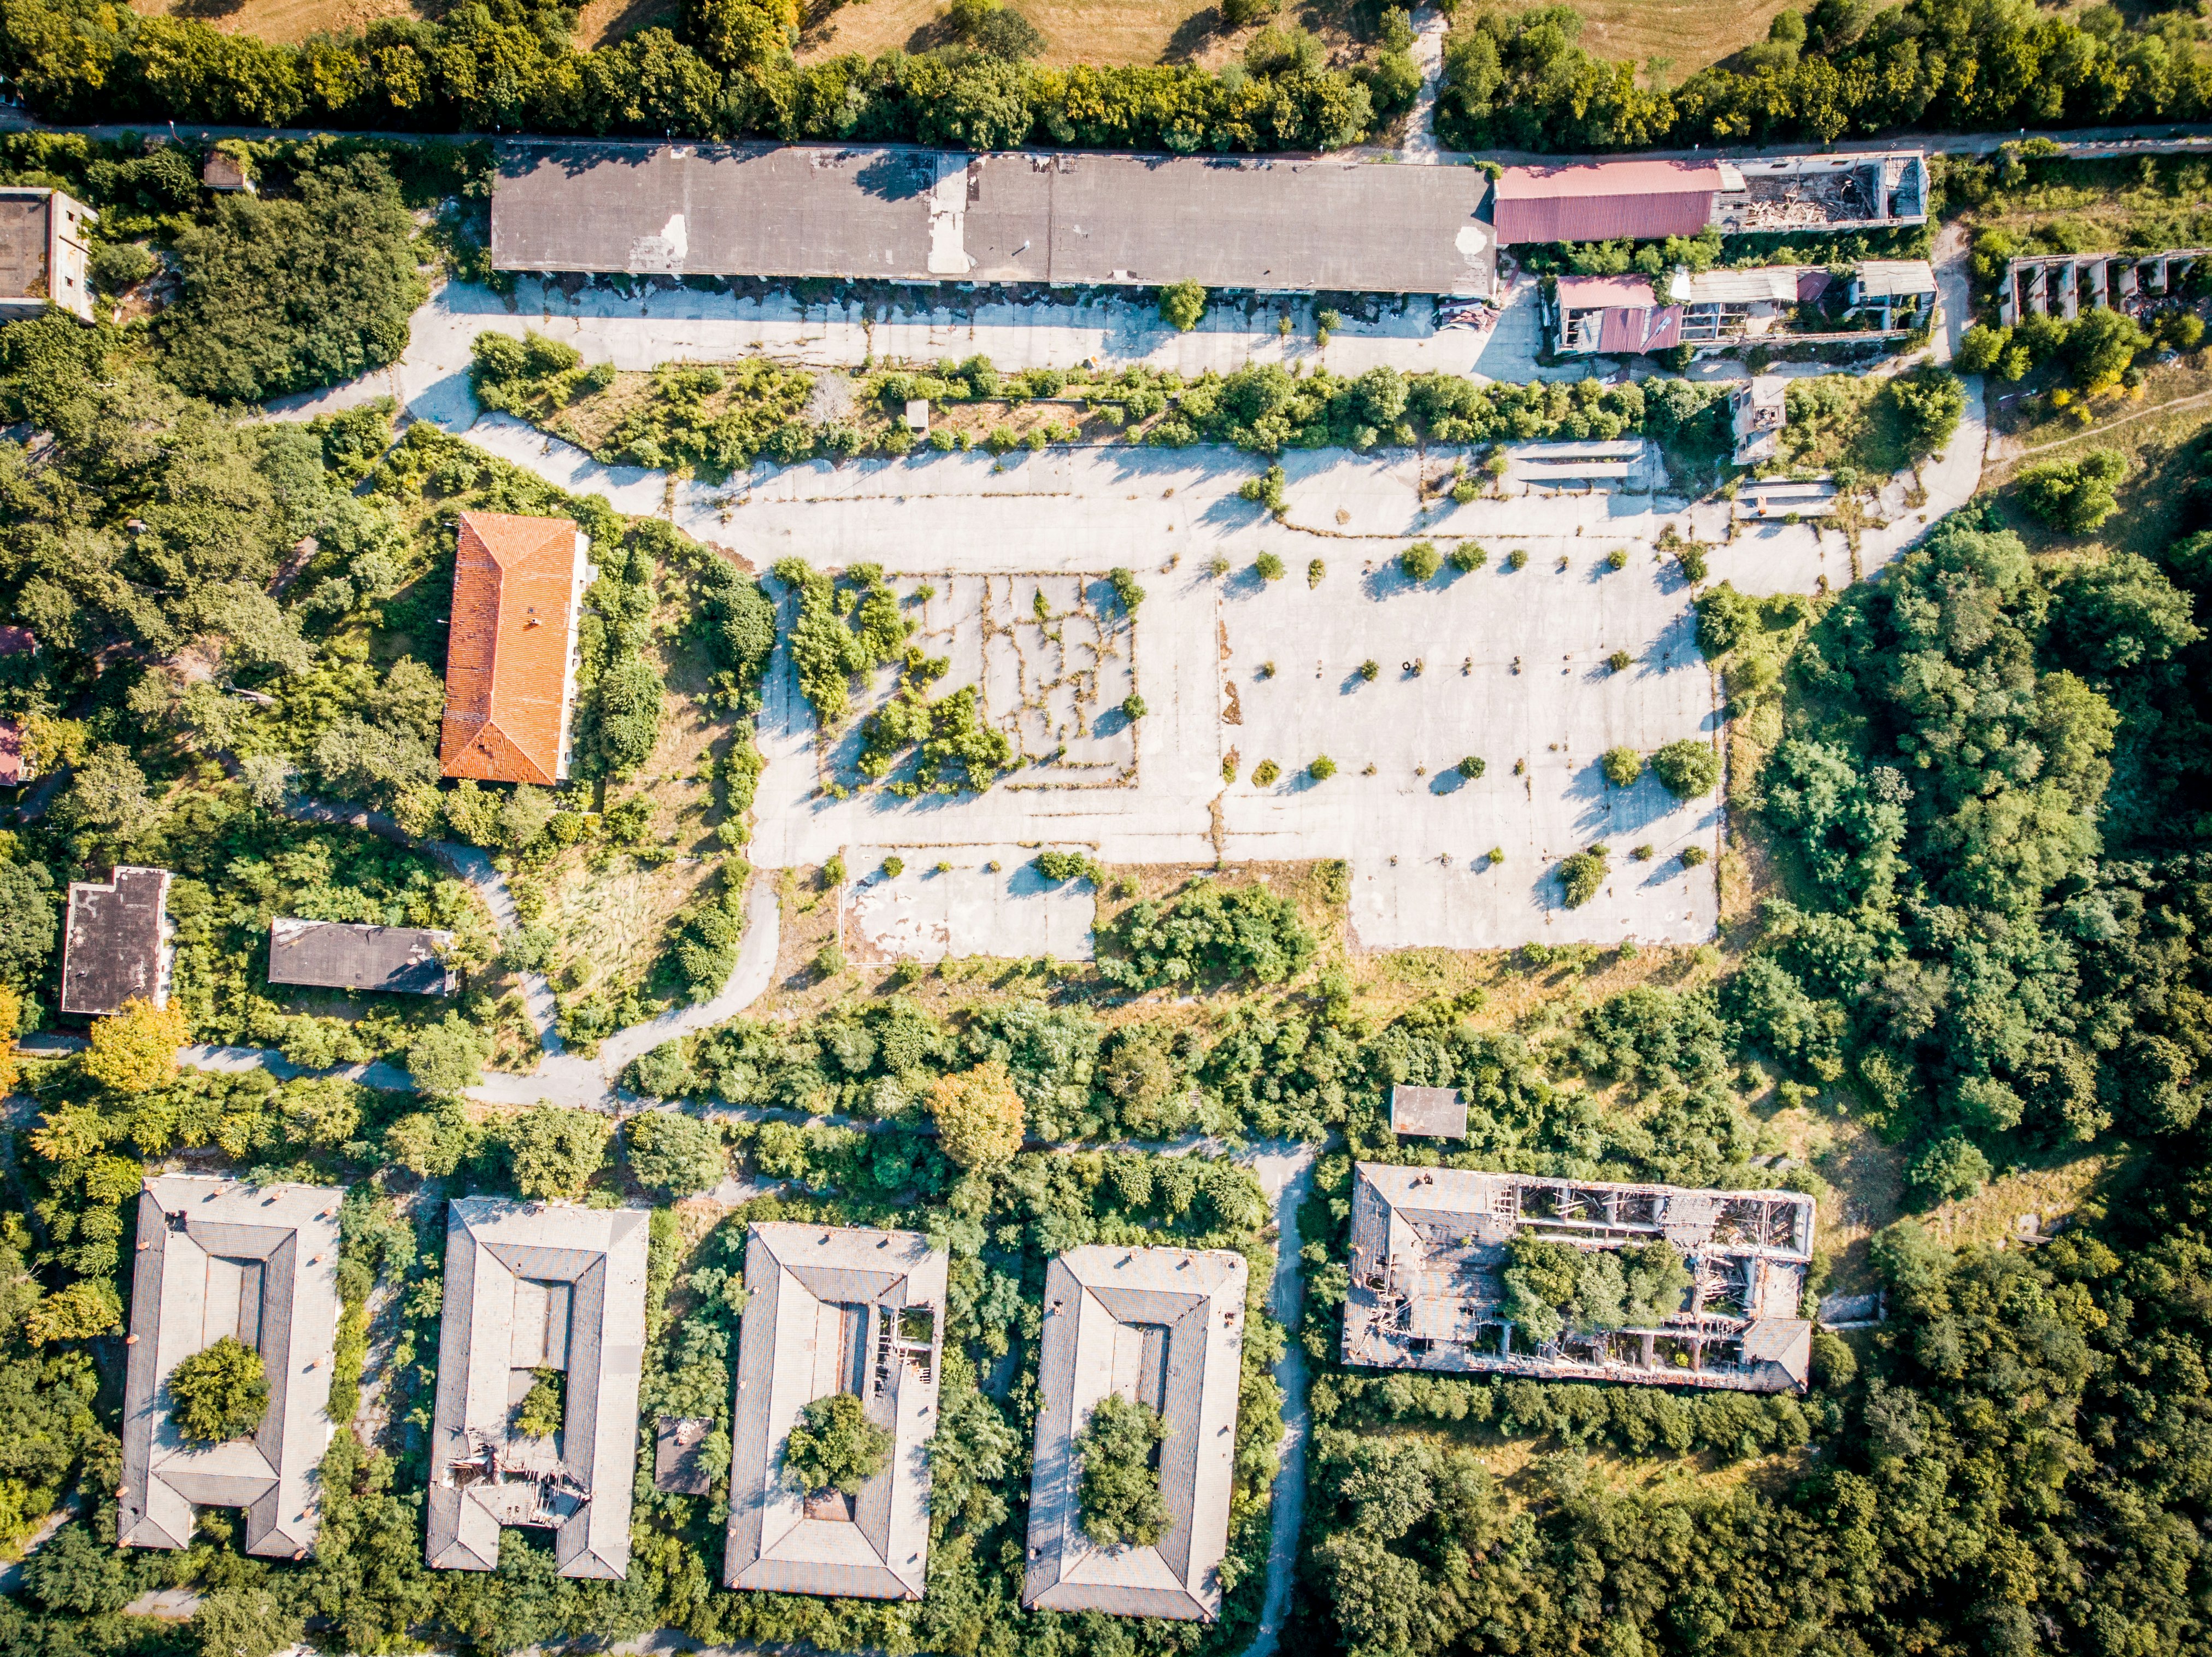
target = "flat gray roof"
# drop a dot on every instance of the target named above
(115, 945)
(1072, 218)
(1164, 1326)
(1432, 1112)
(343, 955)
(835, 1309)
(532, 1286)
(260, 1263)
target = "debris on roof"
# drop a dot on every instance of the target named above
(1429, 1247)
(532, 1286)
(678, 1468)
(115, 946)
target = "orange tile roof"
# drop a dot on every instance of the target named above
(506, 659)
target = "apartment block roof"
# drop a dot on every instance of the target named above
(260, 1263)
(1605, 201)
(533, 1286)
(510, 658)
(835, 1309)
(1163, 1326)
(115, 945)
(910, 215)
(343, 955)
(1428, 1245)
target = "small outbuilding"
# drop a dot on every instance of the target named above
(511, 656)
(115, 946)
(407, 960)
(17, 762)
(1428, 1112)
(43, 254)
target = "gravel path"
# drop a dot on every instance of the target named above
(1286, 1173)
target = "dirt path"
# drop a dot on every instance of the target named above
(2179, 403)
(1286, 1173)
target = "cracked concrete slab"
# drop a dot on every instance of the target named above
(949, 900)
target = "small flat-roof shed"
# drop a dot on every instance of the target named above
(1433, 1113)
(342, 955)
(116, 946)
(260, 1263)
(1277, 222)
(1159, 1326)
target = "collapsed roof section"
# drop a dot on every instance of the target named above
(1164, 1327)
(532, 1287)
(1867, 191)
(220, 1258)
(835, 1309)
(1429, 1247)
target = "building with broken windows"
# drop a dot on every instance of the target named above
(1867, 191)
(1164, 1327)
(835, 1309)
(1794, 304)
(1429, 1248)
(219, 1258)
(2066, 284)
(1647, 200)
(538, 1295)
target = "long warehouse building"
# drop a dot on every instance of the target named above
(1264, 223)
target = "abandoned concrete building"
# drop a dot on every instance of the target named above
(1870, 191)
(43, 254)
(1628, 314)
(115, 946)
(408, 960)
(2066, 284)
(1429, 1248)
(1758, 413)
(220, 1258)
(530, 1289)
(835, 1309)
(1266, 223)
(1164, 1327)
(1649, 200)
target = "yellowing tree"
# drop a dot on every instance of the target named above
(979, 1116)
(136, 1050)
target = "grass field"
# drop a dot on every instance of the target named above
(1683, 36)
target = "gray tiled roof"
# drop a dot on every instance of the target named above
(1098, 1302)
(115, 946)
(1429, 1247)
(342, 955)
(532, 1286)
(825, 1316)
(218, 1258)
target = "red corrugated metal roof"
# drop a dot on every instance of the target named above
(1605, 201)
(1644, 330)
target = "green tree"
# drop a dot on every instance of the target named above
(835, 1447)
(1622, 766)
(1420, 561)
(1582, 875)
(1688, 767)
(27, 921)
(1118, 1490)
(219, 1393)
(2075, 494)
(1183, 304)
(557, 1151)
(446, 1059)
(543, 1410)
(675, 1155)
(1927, 403)
(135, 1050)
